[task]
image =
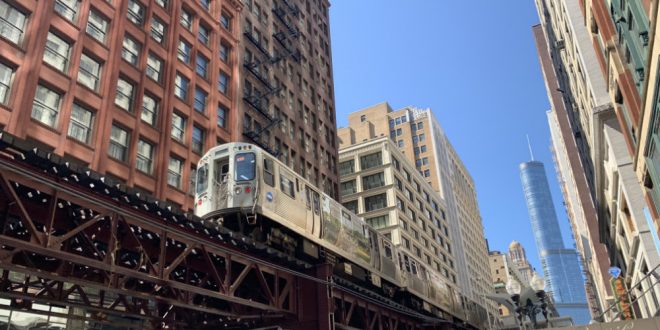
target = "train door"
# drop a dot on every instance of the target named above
(316, 207)
(388, 264)
(220, 182)
(313, 205)
(375, 247)
(309, 227)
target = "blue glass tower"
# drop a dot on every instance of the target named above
(561, 268)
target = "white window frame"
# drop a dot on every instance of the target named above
(135, 12)
(47, 108)
(6, 79)
(89, 72)
(149, 115)
(120, 140)
(57, 51)
(81, 124)
(12, 23)
(154, 67)
(178, 127)
(97, 26)
(123, 99)
(67, 9)
(174, 175)
(145, 156)
(130, 50)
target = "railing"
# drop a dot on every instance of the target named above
(653, 275)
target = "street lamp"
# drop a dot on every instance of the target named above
(528, 301)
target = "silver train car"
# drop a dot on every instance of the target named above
(245, 188)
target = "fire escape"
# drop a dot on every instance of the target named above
(259, 66)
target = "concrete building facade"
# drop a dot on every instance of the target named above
(592, 151)
(380, 185)
(286, 95)
(126, 87)
(420, 138)
(519, 260)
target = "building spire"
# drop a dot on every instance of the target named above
(529, 145)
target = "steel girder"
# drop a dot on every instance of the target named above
(65, 246)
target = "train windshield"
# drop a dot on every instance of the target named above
(245, 166)
(202, 178)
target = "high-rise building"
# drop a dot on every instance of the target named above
(561, 268)
(420, 138)
(518, 258)
(127, 87)
(380, 185)
(286, 98)
(596, 170)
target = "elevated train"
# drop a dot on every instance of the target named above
(246, 189)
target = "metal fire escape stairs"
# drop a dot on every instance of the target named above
(284, 10)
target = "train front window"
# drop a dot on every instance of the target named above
(245, 166)
(202, 178)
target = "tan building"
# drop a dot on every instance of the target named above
(518, 259)
(380, 185)
(499, 272)
(419, 137)
(286, 92)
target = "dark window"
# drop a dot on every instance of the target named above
(269, 178)
(202, 178)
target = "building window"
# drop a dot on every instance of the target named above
(192, 180)
(46, 106)
(162, 3)
(154, 66)
(347, 167)
(200, 100)
(202, 66)
(145, 155)
(183, 52)
(427, 173)
(225, 21)
(119, 140)
(6, 77)
(158, 30)
(400, 143)
(174, 170)
(222, 116)
(178, 127)
(206, 4)
(67, 8)
(347, 188)
(379, 222)
(351, 206)
(186, 19)
(57, 52)
(203, 34)
(80, 125)
(149, 110)
(124, 97)
(89, 74)
(376, 202)
(181, 86)
(198, 136)
(224, 52)
(12, 23)
(135, 12)
(97, 26)
(372, 160)
(223, 82)
(373, 181)
(130, 50)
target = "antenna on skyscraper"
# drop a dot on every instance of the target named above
(529, 145)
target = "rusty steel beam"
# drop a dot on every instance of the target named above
(51, 235)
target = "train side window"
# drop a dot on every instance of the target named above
(308, 198)
(346, 215)
(317, 205)
(388, 249)
(269, 178)
(286, 186)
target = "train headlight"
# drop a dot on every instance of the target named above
(237, 190)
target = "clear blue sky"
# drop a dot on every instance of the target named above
(475, 64)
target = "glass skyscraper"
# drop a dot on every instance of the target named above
(561, 268)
